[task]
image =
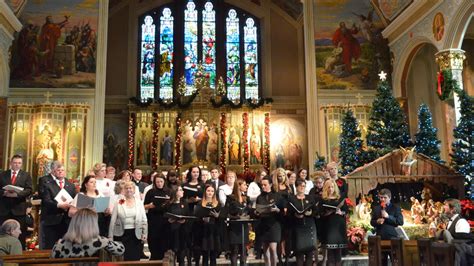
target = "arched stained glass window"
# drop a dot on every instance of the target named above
(251, 59)
(209, 42)
(233, 55)
(222, 38)
(166, 55)
(147, 75)
(190, 45)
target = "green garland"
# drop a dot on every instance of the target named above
(446, 85)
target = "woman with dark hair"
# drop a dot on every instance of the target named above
(153, 175)
(301, 209)
(156, 201)
(178, 230)
(193, 187)
(268, 208)
(303, 174)
(237, 205)
(124, 175)
(206, 230)
(89, 189)
(254, 190)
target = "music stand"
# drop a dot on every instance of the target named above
(242, 222)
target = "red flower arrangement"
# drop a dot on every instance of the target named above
(467, 210)
(222, 162)
(121, 201)
(349, 203)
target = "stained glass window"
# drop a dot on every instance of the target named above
(233, 56)
(251, 59)
(166, 55)
(208, 42)
(190, 45)
(147, 76)
(225, 46)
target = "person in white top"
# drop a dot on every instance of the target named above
(458, 227)
(303, 174)
(126, 176)
(110, 173)
(104, 185)
(227, 189)
(253, 190)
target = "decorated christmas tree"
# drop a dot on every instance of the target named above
(319, 163)
(426, 141)
(463, 146)
(350, 144)
(387, 129)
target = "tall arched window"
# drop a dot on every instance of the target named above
(223, 39)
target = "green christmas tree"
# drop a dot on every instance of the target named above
(387, 128)
(426, 141)
(319, 163)
(350, 144)
(463, 146)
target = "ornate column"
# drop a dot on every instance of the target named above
(452, 60)
(312, 106)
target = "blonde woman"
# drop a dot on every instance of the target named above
(333, 218)
(129, 223)
(227, 189)
(104, 185)
(82, 238)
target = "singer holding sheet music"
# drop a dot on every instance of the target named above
(13, 204)
(237, 205)
(89, 189)
(206, 231)
(333, 218)
(268, 207)
(301, 209)
(56, 200)
(178, 231)
(156, 202)
(128, 223)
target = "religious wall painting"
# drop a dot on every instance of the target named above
(350, 48)
(166, 142)
(287, 141)
(234, 145)
(116, 142)
(438, 26)
(48, 147)
(143, 146)
(57, 46)
(256, 152)
(213, 144)
(189, 143)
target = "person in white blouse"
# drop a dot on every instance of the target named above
(458, 227)
(227, 189)
(303, 174)
(104, 185)
(253, 190)
(129, 223)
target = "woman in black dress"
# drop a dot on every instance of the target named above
(155, 202)
(178, 230)
(301, 209)
(333, 215)
(268, 208)
(237, 205)
(207, 232)
(172, 180)
(281, 187)
(332, 169)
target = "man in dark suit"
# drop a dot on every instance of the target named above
(215, 181)
(54, 214)
(385, 218)
(13, 204)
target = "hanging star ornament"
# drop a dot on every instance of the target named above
(382, 75)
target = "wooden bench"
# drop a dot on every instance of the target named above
(57, 262)
(424, 251)
(375, 251)
(402, 252)
(28, 255)
(442, 254)
(168, 260)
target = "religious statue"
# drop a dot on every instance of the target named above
(417, 212)
(212, 147)
(166, 149)
(408, 160)
(363, 210)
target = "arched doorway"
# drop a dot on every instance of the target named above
(468, 46)
(420, 87)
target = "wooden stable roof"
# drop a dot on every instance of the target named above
(388, 169)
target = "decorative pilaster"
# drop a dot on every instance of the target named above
(452, 60)
(312, 106)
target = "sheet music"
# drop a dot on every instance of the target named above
(63, 196)
(13, 188)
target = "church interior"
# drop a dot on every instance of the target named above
(239, 84)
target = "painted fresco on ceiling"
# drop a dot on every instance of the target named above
(116, 142)
(350, 49)
(57, 47)
(390, 9)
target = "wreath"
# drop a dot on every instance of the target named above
(446, 85)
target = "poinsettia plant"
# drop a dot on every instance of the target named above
(356, 234)
(467, 210)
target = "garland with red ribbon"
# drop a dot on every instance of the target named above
(132, 120)
(245, 140)
(223, 128)
(266, 144)
(154, 141)
(446, 85)
(177, 143)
